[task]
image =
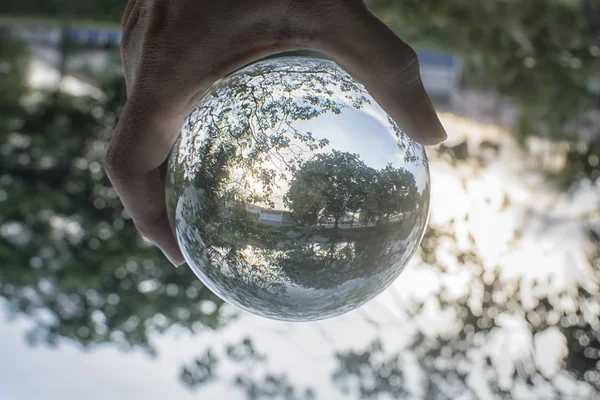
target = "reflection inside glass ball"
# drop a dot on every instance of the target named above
(292, 194)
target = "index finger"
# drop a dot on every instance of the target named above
(135, 164)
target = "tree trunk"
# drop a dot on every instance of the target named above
(63, 50)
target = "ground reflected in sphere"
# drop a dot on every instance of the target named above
(292, 194)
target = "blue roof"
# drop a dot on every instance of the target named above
(435, 58)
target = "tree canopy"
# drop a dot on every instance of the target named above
(69, 257)
(338, 184)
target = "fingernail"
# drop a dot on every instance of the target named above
(430, 129)
(434, 139)
(172, 261)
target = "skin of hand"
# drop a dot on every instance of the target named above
(174, 50)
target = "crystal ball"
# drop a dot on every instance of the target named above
(292, 194)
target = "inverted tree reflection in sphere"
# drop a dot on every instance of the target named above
(292, 194)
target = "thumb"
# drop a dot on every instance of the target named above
(388, 67)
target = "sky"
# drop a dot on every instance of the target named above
(105, 372)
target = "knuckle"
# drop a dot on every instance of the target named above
(150, 221)
(406, 70)
(160, 17)
(146, 24)
(145, 228)
(300, 22)
(411, 59)
(129, 13)
(112, 161)
(293, 33)
(116, 163)
(130, 22)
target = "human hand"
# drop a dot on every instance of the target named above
(174, 50)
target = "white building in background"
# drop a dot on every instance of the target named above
(51, 35)
(271, 216)
(441, 72)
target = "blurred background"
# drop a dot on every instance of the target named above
(501, 301)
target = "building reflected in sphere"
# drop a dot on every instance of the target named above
(292, 194)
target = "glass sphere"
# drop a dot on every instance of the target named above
(292, 194)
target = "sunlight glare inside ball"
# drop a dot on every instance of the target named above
(292, 194)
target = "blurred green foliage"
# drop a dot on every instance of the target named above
(70, 258)
(14, 60)
(105, 10)
(544, 55)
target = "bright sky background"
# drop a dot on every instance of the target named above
(367, 133)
